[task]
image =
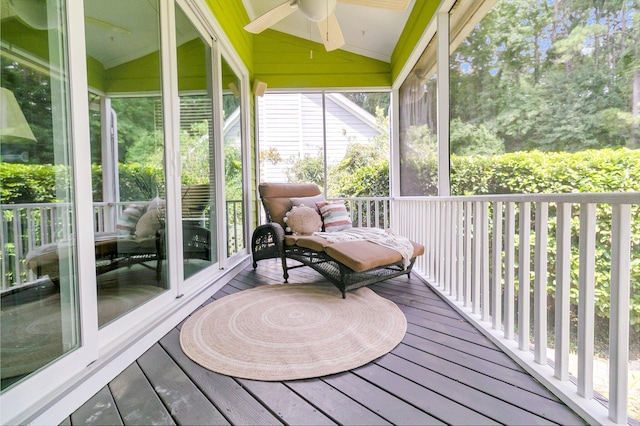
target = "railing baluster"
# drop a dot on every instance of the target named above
(460, 252)
(438, 251)
(477, 255)
(496, 282)
(563, 286)
(485, 282)
(453, 272)
(540, 283)
(586, 281)
(509, 270)
(524, 279)
(619, 311)
(447, 247)
(467, 251)
(18, 246)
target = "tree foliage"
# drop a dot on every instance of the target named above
(552, 76)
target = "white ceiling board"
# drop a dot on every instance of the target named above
(367, 31)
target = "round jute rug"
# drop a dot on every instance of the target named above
(292, 331)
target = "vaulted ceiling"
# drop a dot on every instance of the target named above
(368, 31)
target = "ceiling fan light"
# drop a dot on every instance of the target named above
(316, 10)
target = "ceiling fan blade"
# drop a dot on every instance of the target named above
(331, 33)
(271, 17)
(380, 4)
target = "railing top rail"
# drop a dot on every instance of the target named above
(582, 197)
(360, 198)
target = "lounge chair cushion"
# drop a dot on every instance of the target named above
(308, 201)
(307, 241)
(275, 197)
(364, 255)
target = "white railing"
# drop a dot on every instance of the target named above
(470, 258)
(28, 226)
(369, 211)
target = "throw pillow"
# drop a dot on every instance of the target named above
(157, 203)
(302, 220)
(308, 201)
(148, 224)
(126, 224)
(334, 215)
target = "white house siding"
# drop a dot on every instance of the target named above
(292, 123)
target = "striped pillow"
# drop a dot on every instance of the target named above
(334, 215)
(126, 224)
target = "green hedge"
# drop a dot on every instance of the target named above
(604, 170)
(27, 183)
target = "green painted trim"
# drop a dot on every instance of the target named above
(415, 27)
(95, 74)
(232, 17)
(284, 61)
(139, 75)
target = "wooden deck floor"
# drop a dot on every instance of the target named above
(443, 372)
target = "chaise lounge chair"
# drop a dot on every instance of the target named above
(348, 265)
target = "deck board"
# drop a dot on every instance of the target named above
(333, 403)
(388, 406)
(444, 372)
(185, 401)
(238, 405)
(100, 409)
(137, 401)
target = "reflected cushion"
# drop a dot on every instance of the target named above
(126, 224)
(148, 224)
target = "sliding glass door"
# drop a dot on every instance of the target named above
(39, 293)
(128, 139)
(197, 147)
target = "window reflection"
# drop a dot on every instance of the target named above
(39, 288)
(128, 149)
(196, 148)
(232, 135)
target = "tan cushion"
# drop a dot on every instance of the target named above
(276, 197)
(313, 243)
(291, 240)
(308, 201)
(364, 255)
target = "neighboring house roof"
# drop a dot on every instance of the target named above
(292, 123)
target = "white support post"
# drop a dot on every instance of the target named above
(444, 188)
(586, 283)
(524, 279)
(563, 286)
(619, 306)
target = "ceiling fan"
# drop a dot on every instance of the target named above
(322, 12)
